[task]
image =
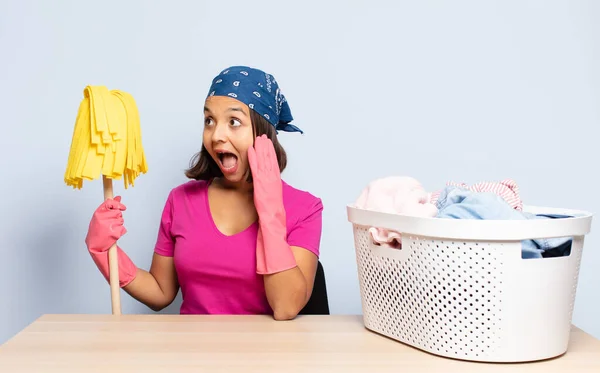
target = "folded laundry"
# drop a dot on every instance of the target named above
(399, 195)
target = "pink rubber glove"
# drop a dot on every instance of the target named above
(273, 254)
(106, 227)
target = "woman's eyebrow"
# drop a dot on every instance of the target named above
(237, 109)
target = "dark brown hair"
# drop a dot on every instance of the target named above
(203, 167)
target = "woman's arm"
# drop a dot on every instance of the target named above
(289, 265)
(289, 291)
(287, 260)
(158, 287)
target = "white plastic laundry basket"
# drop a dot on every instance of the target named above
(460, 289)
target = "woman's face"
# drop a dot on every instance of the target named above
(227, 135)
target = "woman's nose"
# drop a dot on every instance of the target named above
(220, 133)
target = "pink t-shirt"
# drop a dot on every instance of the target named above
(217, 273)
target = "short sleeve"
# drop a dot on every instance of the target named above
(306, 233)
(165, 244)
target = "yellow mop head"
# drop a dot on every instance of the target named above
(107, 139)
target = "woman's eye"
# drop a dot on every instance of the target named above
(235, 122)
(208, 121)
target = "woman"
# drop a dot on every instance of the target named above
(235, 238)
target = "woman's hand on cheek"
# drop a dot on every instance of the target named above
(272, 251)
(265, 175)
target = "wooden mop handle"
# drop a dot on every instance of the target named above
(113, 263)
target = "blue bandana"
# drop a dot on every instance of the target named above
(259, 91)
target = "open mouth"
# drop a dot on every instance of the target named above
(228, 161)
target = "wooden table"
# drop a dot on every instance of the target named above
(175, 343)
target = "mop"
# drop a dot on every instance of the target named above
(107, 141)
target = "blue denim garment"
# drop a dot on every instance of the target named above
(552, 247)
(460, 203)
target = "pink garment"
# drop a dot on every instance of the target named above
(217, 273)
(396, 195)
(507, 189)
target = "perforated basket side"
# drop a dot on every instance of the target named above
(441, 296)
(461, 289)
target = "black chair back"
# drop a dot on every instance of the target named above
(318, 304)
